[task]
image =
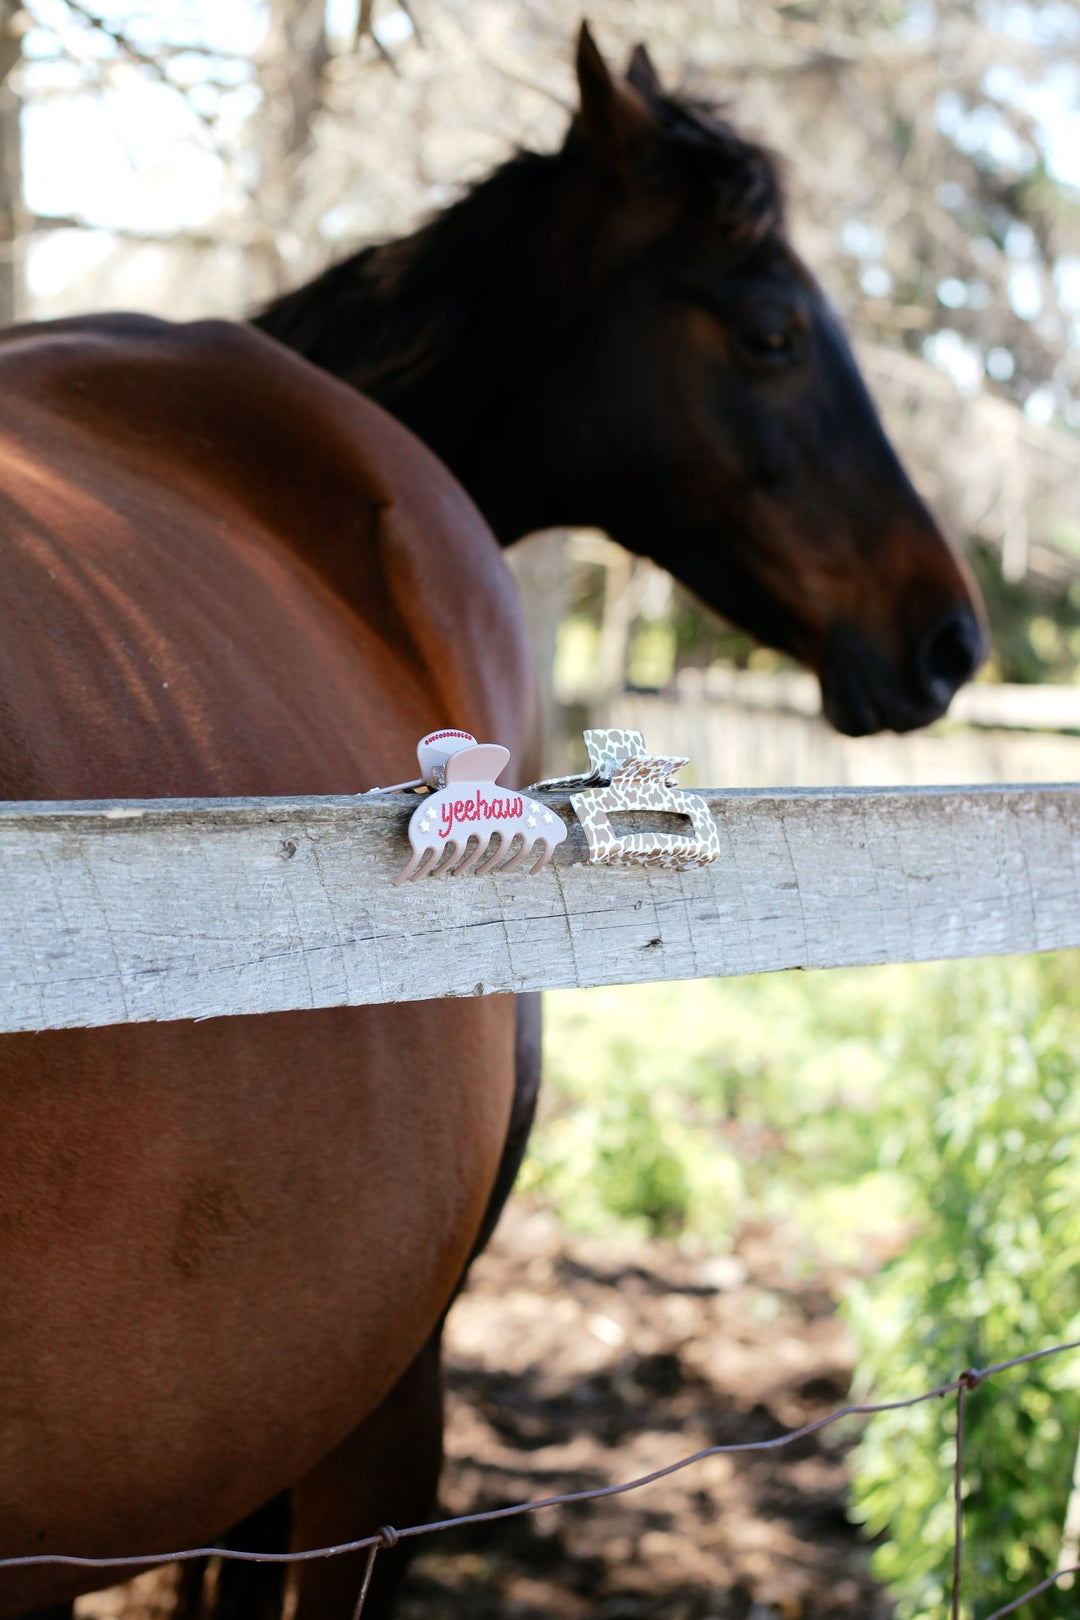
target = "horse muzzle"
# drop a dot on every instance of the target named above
(865, 690)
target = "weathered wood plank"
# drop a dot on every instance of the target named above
(177, 909)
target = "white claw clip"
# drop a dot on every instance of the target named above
(467, 825)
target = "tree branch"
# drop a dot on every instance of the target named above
(130, 233)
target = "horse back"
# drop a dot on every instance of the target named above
(224, 572)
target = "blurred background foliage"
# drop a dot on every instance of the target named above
(919, 1125)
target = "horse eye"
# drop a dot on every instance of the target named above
(769, 345)
(765, 334)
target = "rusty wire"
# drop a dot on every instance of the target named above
(967, 1380)
(369, 1570)
(389, 1537)
(1035, 1591)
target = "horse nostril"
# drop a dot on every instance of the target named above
(949, 654)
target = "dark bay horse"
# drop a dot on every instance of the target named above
(225, 1248)
(621, 334)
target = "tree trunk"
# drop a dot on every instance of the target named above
(538, 564)
(292, 61)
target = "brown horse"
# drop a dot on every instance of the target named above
(226, 1248)
(224, 1245)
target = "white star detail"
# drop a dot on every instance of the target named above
(530, 821)
(548, 818)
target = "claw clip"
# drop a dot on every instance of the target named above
(468, 825)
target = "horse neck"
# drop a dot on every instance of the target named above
(444, 329)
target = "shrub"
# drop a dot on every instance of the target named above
(936, 1104)
(981, 1118)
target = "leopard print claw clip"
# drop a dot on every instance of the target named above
(623, 778)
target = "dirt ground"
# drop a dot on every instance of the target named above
(574, 1362)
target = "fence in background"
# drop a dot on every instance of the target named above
(744, 729)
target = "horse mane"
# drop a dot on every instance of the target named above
(741, 178)
(388, 315)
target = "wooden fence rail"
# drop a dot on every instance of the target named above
(165, 909)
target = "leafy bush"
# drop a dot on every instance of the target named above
(981, 1119)
(938, 1105)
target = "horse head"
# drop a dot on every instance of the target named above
(620, 333)
(704, 407)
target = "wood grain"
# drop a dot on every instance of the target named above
(195, 909)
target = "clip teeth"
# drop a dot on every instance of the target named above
(475, 848)
(494, 855)
(520, 855)
(546, 852)
(443, 864)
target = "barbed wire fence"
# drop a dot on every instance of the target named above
(389, 1536)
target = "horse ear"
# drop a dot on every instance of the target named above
(641, 73)
(613, 116)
